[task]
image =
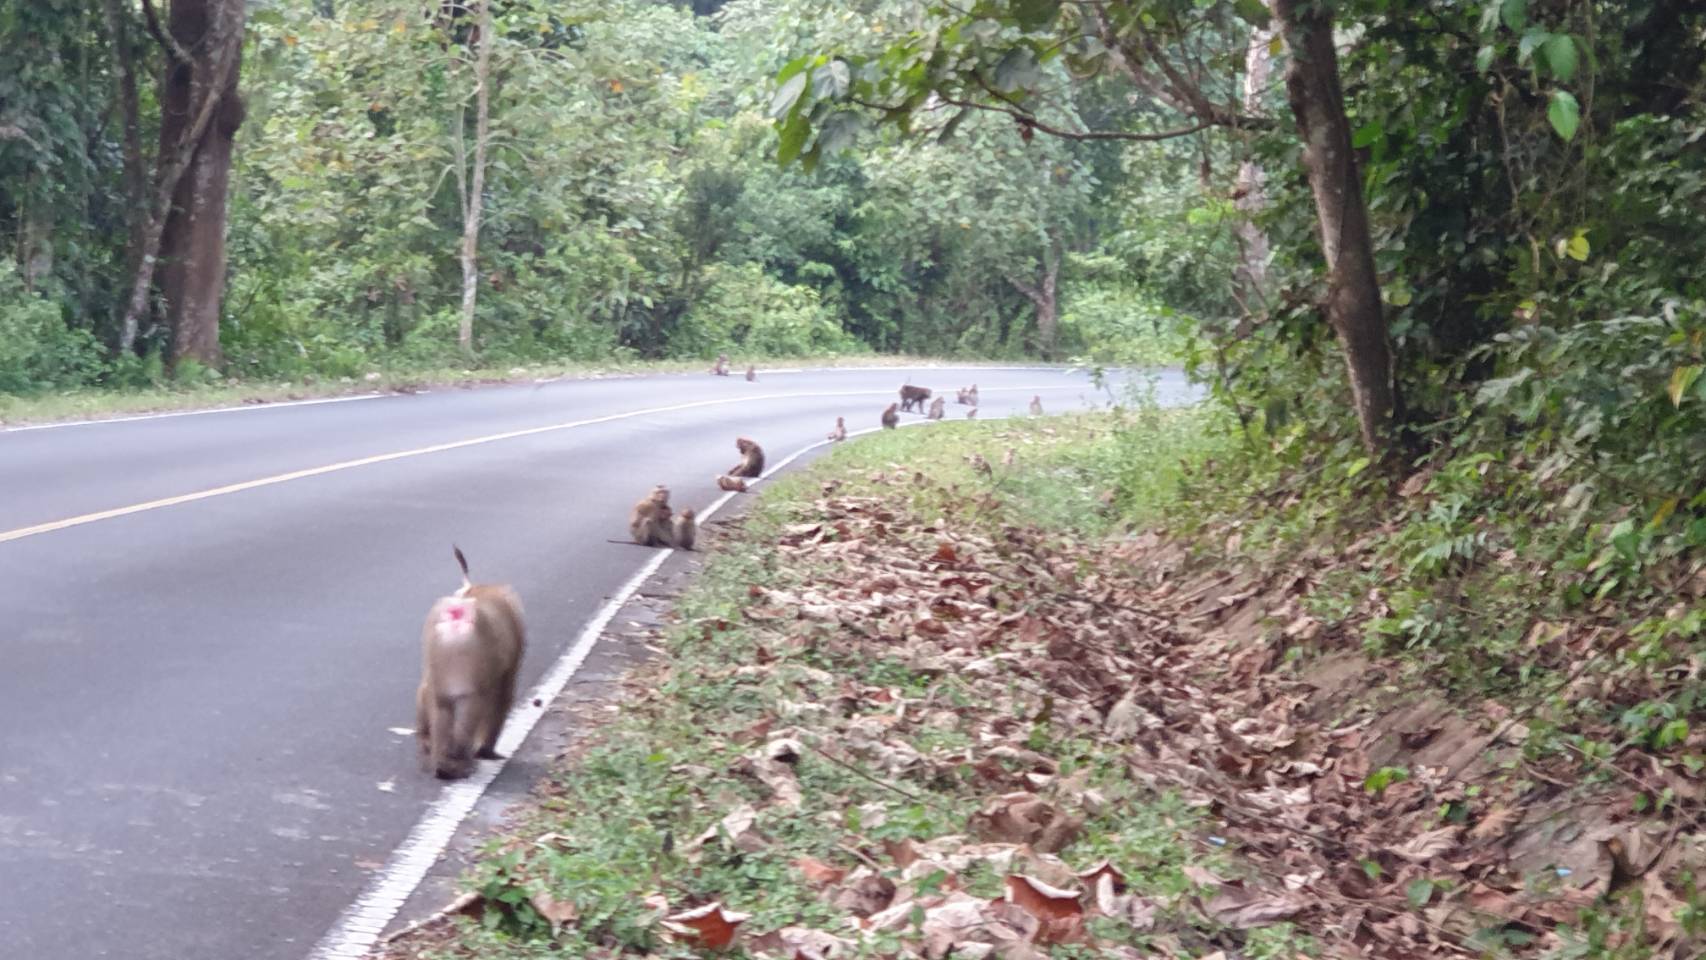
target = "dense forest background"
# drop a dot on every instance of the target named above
(1448, 220)
(631, 204)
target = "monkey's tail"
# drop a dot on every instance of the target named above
(462, 562)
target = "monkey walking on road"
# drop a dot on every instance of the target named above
(913, 397)
(471, 648)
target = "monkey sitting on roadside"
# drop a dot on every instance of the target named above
(649, 522)
(685, 531)
(751, 459)
(971, 414)
(471, 648)
(840, 431)
(1036, 406)
(721, 367)
(732, 483)
(890, 417)
(751, 373)
(968, 395)
(937, 408)
(911, 396)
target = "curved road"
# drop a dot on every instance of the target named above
(211, 623)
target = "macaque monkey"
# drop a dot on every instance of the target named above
(971, 414)
(1036, 406)
(969, 395)
(937, 408)
(751, 373)
(732, 483)
(686, 530)
(890, 417)
(649, 522)
(471, 648)
(840, 431)
(751, 459)
(911, 396)
(721, 367)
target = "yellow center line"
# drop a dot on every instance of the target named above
(125, 511)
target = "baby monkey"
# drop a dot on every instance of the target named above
(471, 648)
(840, 431)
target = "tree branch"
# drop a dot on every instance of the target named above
(1030, 120)
(172, 47)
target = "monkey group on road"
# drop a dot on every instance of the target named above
(473, 639)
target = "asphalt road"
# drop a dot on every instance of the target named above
(199, 686)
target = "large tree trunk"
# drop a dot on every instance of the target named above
(1341, 218)
(1251, 274)
(192, 280)
(200, 116)
(135, 174)
(1044, 298)
(473, 205)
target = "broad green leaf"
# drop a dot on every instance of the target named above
(1253, 12)
(1560, 53)
(1680, 380)
(1276, 45)
(832, 79)
(787, 96)
(1514, 13)
(1484, 58)
(1399, 295)
(1564, 113)
(1356, 466)
(1368, 133)
(1577, 249)
(792, 138)
(793, 66)
(1419, 891)
(1531, 40)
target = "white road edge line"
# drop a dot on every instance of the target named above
(362, 923)
(168, 414)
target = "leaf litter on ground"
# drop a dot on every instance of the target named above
(942, 735)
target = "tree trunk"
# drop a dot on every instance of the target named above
(35, 240)
(192, 280)
(1251, 274)
(1043, 297)
(135, 176)
(474, 204)
(1341, 218)
(204, 44)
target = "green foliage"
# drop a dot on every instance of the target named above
(37, 350)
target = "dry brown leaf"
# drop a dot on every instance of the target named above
(1238, 906)
(866, 896)
(558, 913)
(709, 926)
(1042, 900)
(1425, 846)
(818, 873)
